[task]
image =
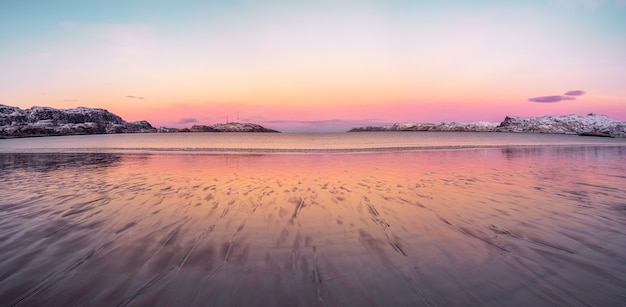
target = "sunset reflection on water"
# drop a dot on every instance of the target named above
(522, 225)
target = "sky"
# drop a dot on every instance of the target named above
(316, 65)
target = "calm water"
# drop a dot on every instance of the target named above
(460, 219)
(292, 142)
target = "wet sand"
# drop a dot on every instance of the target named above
(488, 227)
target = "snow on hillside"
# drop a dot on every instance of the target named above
(569, 124)
(43, 121)
(453, 126)
(230, 127)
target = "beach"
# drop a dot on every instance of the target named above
(481, 227)
(313, 153)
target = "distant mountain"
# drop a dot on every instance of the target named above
(46, 121)
(231, 127)
(590, 124)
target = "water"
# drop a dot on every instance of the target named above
(459, 219)
(292, 142)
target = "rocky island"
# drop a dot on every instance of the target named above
(590, 124)
(228, 127)
(46, 121)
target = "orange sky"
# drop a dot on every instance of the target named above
(323, 66)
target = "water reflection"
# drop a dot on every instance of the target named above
(596, 152)
(46, 162)
(463, 227)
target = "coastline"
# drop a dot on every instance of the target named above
(286, 143)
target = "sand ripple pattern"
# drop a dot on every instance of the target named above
(488, 227)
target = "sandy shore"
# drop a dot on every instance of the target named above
(466, 227)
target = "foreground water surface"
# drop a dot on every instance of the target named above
(542, 225)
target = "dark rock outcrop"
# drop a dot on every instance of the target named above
(596, 133)
(46, 121)
(201, 128)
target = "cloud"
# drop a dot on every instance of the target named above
(575, 93)
(134, 97)
(187, 120)
(70, 100)
(550, 99)
(569, 95)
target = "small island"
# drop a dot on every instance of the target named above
(226, 127)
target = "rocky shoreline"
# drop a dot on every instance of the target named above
(46, 121)
(588, 125)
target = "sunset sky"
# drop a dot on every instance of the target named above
(316, 65)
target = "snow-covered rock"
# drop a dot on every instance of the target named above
(231, 127)
(45, 121)
(569, 124)
(453, 126)
(590, 124)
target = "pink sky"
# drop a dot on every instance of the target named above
(327, 66)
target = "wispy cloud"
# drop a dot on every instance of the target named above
(550, 99)
(134, 97)
(187, 120)
(569, 95)
(575, 93)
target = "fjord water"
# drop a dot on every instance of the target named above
(403, 219)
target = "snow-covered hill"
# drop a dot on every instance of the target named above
(568, 124)
(231, 127)
(454, 126)
(592, 124)
(46, 121)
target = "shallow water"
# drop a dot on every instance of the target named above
(500, 226)
(293, 142)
